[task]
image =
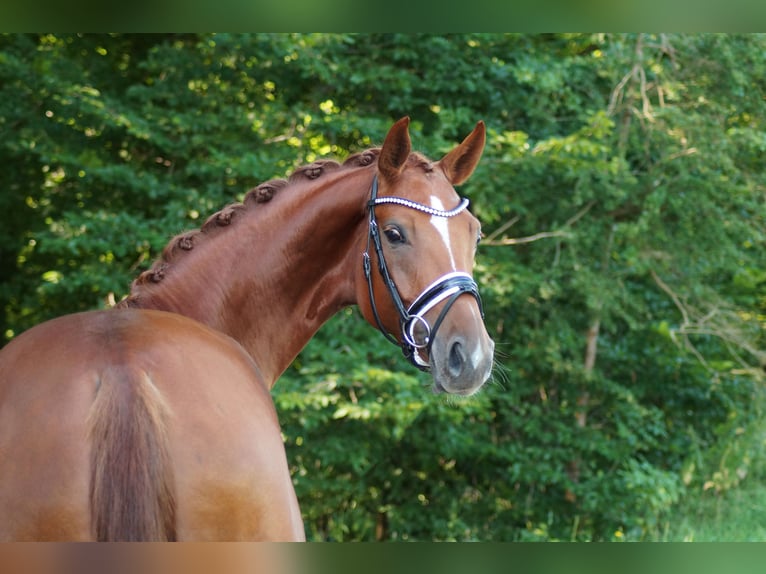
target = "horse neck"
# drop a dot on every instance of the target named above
(278, 274)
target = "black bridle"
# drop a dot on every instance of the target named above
(447, 288)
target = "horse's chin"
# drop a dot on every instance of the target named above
(438, 389)
(464, 386)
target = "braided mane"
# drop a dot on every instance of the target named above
(185, 242)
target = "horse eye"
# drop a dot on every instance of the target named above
(394, 235)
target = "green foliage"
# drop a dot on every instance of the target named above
(622, 198)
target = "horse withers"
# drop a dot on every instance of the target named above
(154, 420)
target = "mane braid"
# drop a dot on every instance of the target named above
(223, 219)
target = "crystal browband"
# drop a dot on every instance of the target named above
(420, 207)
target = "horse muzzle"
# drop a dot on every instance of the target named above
(461, 366)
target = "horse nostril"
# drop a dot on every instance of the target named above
(456, 359)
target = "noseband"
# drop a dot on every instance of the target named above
(448, 287)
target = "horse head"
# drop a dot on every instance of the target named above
(422, 240)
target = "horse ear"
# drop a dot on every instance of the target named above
(396, 149)
(459, 164)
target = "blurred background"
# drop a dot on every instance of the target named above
(623, 199)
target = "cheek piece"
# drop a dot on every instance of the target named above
(416, 332)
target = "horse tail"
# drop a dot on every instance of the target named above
(131, 483)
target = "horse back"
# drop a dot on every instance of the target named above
(138, 425)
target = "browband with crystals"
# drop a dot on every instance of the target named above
(420, 207)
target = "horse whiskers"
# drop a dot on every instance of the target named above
(501, 374)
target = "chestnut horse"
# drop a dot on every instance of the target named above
(154, 420)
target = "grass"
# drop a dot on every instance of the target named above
(736, 515)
